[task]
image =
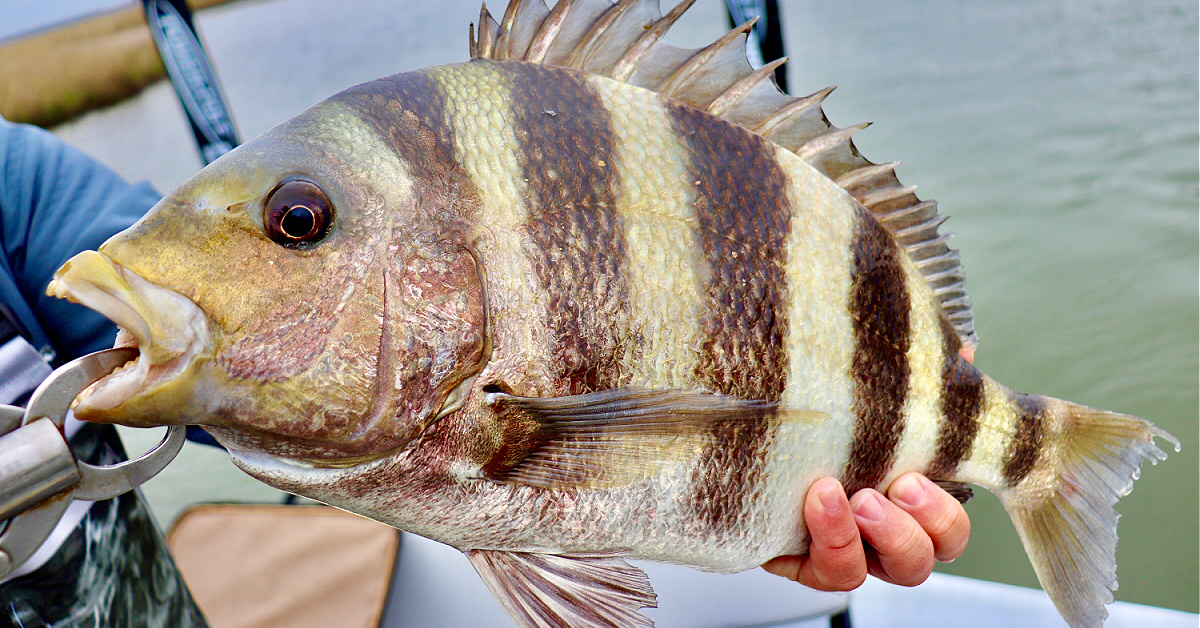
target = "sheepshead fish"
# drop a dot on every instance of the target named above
(583, 298)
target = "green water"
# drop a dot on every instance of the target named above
(1059, 135)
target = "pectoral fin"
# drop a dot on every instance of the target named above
(546, 590)
(615, 436)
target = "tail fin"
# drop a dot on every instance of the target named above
(1064, 514)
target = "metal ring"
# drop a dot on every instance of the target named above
(53, 397)
(22, 535)
(108, 481)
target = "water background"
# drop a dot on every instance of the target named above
(1059, 135)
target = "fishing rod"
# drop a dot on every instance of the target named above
(40, 477)
(765, 41)
(192, 76)
(199, 92)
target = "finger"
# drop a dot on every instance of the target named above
(903, 552)
(936, 511)
(968, 353)
(835, 560)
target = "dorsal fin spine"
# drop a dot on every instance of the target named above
(922, 250)
(686, 72)
(932, 223)
(867, 172)
(487, 34)
(596, 35)
(600, 37)
(941, 292)
(919, 235)
(504, 39)
(884, 195)
(918, 230)
(939, 277)
(905, 216)
(628, 62)
(550, 29)
(826, 141)
(939, 263)
(738, 90)
(778, 119)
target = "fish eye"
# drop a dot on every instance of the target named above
(297, 213)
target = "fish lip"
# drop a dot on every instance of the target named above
(169, 330)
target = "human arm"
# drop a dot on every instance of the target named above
(54, 202)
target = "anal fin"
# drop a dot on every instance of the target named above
(958, 490)
(549, 591)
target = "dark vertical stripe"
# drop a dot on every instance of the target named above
(950, 338)
(1027, 440)
(577, 244)
(743, 218)
(408, 112)
(962, 397)
(430, 254)
(879, 312)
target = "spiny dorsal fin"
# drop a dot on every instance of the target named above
(624, 41)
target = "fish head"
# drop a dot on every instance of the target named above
(301, 295)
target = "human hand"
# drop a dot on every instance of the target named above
(919, 522)
(915, 524)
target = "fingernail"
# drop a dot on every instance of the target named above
(908, 490)
(830, 498)
(870, 508)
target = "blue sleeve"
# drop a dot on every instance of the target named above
(54, 202)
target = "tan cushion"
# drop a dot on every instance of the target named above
(251, 565)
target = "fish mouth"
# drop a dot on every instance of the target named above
(169, 331)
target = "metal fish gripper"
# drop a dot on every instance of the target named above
(39, 475)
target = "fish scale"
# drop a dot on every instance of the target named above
(961, 399)
(573, 231)
(659, 234)
(611, 299)
(719, 479)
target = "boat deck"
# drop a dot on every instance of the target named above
(435, 585)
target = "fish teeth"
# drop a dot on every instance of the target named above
(125, 338)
